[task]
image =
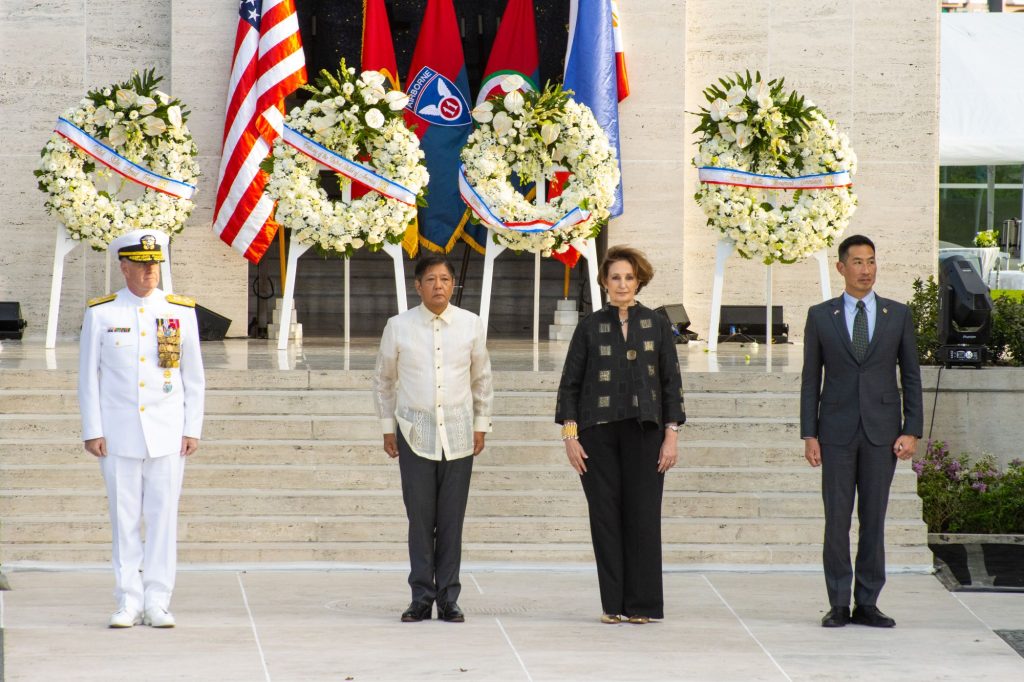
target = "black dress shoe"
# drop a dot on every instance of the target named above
(872, 617)
(837, 617)
(451, 613)
(417, 611)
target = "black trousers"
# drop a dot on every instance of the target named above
(867, 470)
(435, 495)
(624, 490)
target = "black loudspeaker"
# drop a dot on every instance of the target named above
(746, 323)
(680, 321)
(212, 326)
(11, 323)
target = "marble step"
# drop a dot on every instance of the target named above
(711, 453)
(359, 402)
(386, 476)
(388, 503)
(759, 554)
(749, 430)
(192, 528)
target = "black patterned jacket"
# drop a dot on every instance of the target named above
(607, 378)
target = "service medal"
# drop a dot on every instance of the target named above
(168, 344)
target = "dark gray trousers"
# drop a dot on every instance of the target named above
(624, 490)
(435, 495)
(865, 470)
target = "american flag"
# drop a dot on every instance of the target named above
(268, 65)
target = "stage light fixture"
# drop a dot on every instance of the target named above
(965, 314)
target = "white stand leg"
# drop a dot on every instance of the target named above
(768, 314)
(491, 251)
(106, 261)
(722, 253)
(588, 249)
(295, 249)
(165, 274)
(395, 251)
(64, 245)
(826, 289)
(536, 298)
(348, 300)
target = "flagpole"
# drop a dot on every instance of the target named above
(565, 284)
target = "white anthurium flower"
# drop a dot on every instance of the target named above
(743, 136)
(153, 126)
(549, 132)
(125, 98)
(396, 99)
(502, 123)
(735, 95)
(512, 82)
(374, 118)
(737, 114)
(147, 105)
(372, 78)
(482, 113)
(322, 124)
(514, 102)
(757, 89)
(719, 109)
(174, 116)
(103, 116)
(117, 135)
(726, 131)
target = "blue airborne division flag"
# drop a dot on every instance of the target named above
(591, 69)
(439, 108)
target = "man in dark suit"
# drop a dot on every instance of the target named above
(854, 427)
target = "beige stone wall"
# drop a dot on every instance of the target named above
(872, 66)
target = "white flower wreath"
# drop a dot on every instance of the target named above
(535, 135)
(356, 119)
(146, 129)
(776, 174)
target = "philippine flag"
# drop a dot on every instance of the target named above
(591, 69)
(439, 108)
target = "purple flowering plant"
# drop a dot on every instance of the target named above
(969, 495)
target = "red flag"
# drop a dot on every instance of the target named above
(378, 48)
(621, 77)
(267, 66)
(555, 187)
(514, 50)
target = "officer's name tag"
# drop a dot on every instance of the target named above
(119, 330)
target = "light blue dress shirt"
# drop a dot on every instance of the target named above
(850, 308)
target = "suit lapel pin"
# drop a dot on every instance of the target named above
(885, 311)
(835, 312)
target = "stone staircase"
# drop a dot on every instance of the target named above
(291, 470)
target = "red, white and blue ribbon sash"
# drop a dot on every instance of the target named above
(117, 163)
(347, 167)
(729, 176)
(487, 216)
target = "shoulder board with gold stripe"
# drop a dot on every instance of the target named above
(101, 299)
(181, 300)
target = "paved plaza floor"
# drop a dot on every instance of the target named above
(311, 625)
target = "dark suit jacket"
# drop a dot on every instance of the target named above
(860, 392)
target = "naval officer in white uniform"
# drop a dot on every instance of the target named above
(141, 395)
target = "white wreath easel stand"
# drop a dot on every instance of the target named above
(297, 248)
(64, 246)
(722, 253)
(492, 250)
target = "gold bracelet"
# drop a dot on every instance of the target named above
(570, 431)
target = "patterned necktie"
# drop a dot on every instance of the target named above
(860, 332)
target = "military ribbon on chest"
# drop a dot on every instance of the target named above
(168, 342)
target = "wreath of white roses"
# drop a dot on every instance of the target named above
(535, 135)
(139, 123)
(358, 119)
(773, 139)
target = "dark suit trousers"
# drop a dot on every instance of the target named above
(865, 470)
(624, 490)
(435, 495)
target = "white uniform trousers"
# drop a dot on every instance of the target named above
(144, 490)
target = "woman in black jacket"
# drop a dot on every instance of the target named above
(620, 404)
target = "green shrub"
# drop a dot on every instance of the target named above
(1007, 343)
(960, 497)
(924, 309)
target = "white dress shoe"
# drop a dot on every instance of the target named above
(159, 617)
(125, 618)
